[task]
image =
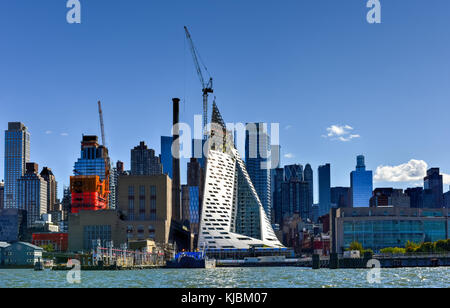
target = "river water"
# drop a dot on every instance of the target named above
(271, 277)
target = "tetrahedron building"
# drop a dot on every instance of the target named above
(232, 216)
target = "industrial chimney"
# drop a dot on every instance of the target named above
(176, 185)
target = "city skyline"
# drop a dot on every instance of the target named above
(401, 87)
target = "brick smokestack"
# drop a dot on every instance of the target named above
(176, 185)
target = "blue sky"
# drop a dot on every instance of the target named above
(306, 64)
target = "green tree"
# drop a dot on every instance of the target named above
(411, 247)
(356, 246)
(48, 248)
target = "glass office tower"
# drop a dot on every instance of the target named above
(17, 154)
(324, 189)
(361, 181)
(166, 155)
(434, 182)
(257, 161)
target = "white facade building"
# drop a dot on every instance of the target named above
(232, 214)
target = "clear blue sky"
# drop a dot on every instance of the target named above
(307, 64)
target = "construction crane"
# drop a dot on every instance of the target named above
(207, 87)
(102, 127)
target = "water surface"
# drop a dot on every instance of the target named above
(271, 277)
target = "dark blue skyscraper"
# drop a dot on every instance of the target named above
(276, 181)
(257, 160)
(324, 173)
(361, 181)
(293, 172)
(166, 155)
(434, 182)
(309, 178)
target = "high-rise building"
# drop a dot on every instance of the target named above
(144, 161)
(434, 182)
(198, 151)
(120, 167)
(308, 176)
(340, 197)
(32, 193)
(293, 172)
(166, 155)
(90, 185)
(390, 197)
(232, 215)
(296, 199)
(416, 197)
(277, 181)
(194, 208)
(361, 181)
(324, 175)
(194, 173)
(2, 195)
(195, 183)
(17, 154)
(257, 161)
(185, 204)
(52, 188)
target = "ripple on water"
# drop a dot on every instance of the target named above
(282, 277)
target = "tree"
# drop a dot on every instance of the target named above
(411, 247)
(48, 248)
(356, 246)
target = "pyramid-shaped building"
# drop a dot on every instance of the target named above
(232, 215)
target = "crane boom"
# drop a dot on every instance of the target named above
(102, 127)
(206, 87)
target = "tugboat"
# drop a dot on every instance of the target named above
(191, 260)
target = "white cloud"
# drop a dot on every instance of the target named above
(413, 171)
(289, 155)
(48, 132)
(64, 134)
(341, 132)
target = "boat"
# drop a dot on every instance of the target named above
(39, 266)
(191, 260)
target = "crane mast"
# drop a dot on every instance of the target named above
(102, 127)
(206, 87)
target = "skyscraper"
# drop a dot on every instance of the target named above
(340, 197)
(90, 185)
(195, 179)
(293, 172)
(308, 176)
(166, 155)
(324, 173)
(52, 188)
(296, 199)
(361, 181)
(434, 182)
(416, 197)
(144, 161)
(257, 161)
(277, 181)
(17, 154)
(32, 193)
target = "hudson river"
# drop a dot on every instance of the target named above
(280, 277)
